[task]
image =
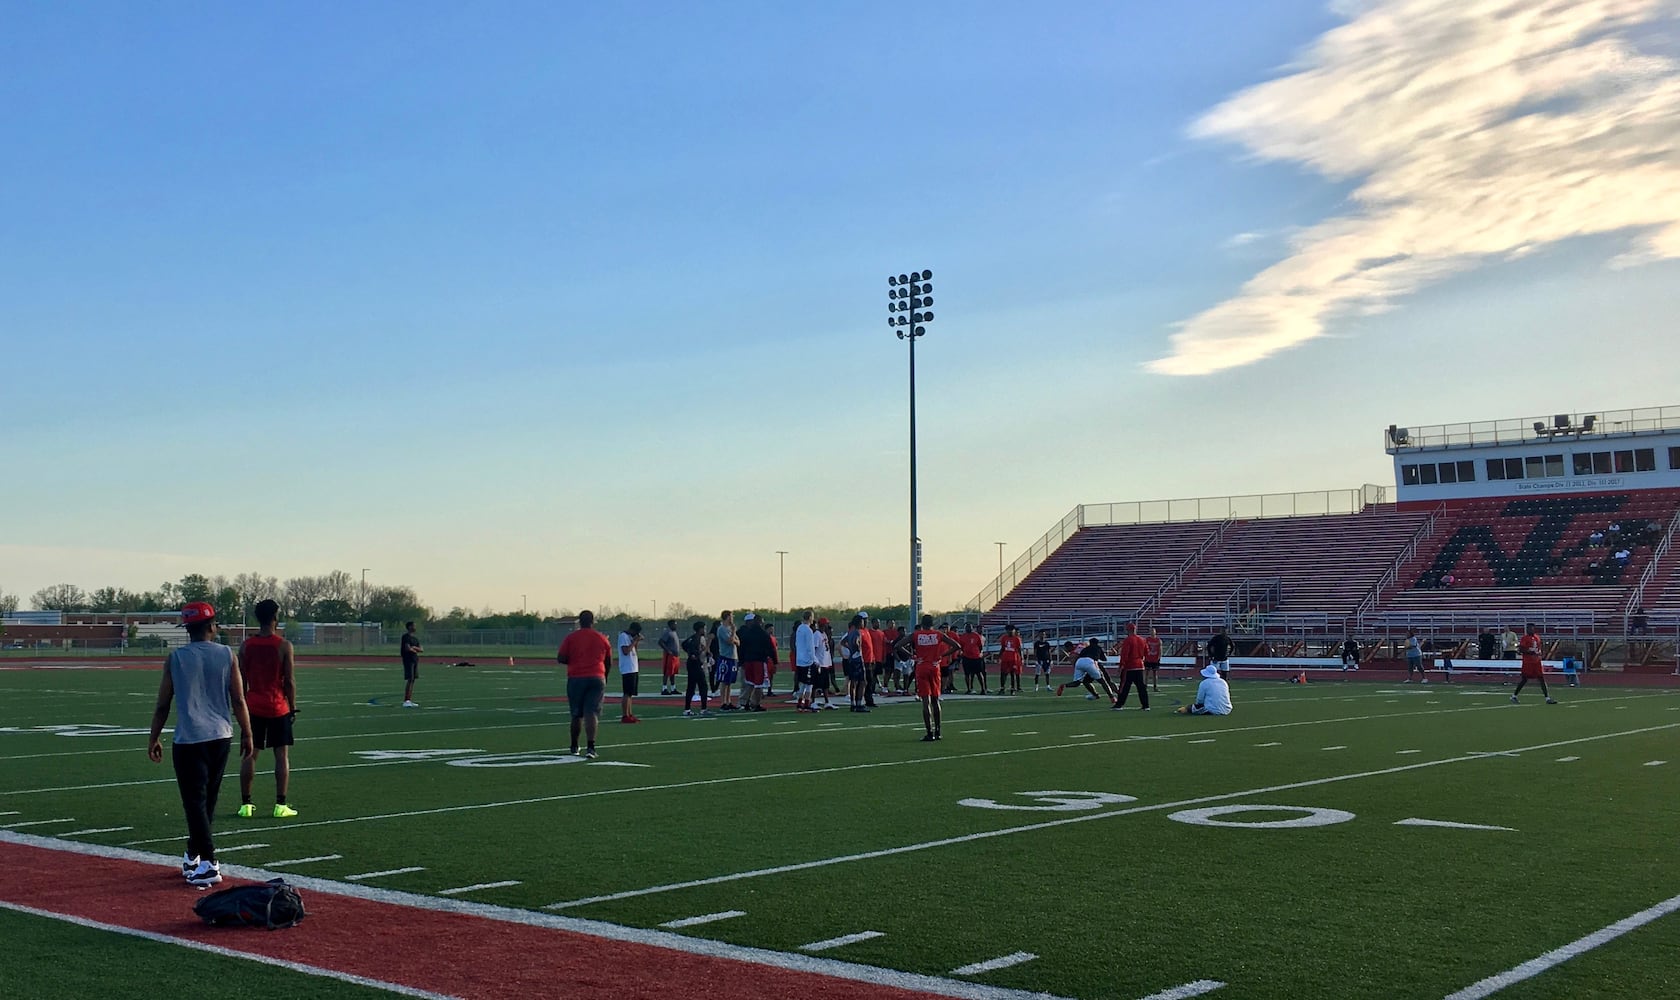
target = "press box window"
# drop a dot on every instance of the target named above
(1645, 460)
(1467, 471)
(1427, 474)
(1408, 475)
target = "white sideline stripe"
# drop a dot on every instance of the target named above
(1654, 763)
(704, 918)
(308, 970)
(1565, 760)
(303, 861)
(817, 965)
(703, 782)
(1534, 966)
(1452, 826)
(34, 822)
(749, 736)
(99, 829)
(844, 939)
(1187, 991)
(992, 965)
(239, 847)
(1054, 823)
(482, 885)
(388, 871)
(1194, 742)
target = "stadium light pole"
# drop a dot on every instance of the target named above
(909, 306)
(361, 614)
(1000, 546)
(781, 573)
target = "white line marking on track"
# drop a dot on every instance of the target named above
(388, 871)
(1558, 956)
(98, 829)
(841, 941)
(1451, 826)
(1566, 760)
(706, 782)
(704, 918)
(1188, 990)
(939, 985)
(309, 970)
(1086, 818)
(1654, 763)
(1194, 742)
(993, 964)
(481, 885)
(239, 847)
(302, 861)
(34, 822)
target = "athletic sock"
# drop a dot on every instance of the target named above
(279, 800)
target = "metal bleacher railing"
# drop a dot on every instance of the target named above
(1636, 597)
(1425, 531)
(1230, 508)
(1523, 430)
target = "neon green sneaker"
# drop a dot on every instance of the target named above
(247, 810)
(284, 811)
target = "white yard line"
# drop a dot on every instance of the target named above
(1451, 826)
(1268, 744)
(841, 941)
(249, 956)
(99, 829)
(239, 847)
(388, 871)
(1334, 748)
(302, 861)
(1195, 742)
(707, 782)
(937, 985)
(1654, 763)
(1534, 966)
(704, 918)
(481, 885)
(1052, 824)
(1187, 991)
(1566, 760)
(34, 822)
(993, 964)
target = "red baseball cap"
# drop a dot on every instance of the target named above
(197, 612)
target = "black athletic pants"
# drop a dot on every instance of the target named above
(698, 683)
(1134, 677)
(198, 773)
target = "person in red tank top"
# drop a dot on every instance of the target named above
(271, 698)
(931, 648)
(1009, 661)
(1152, 659)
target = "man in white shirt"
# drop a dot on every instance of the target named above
(629, 668)
(804, 662)
(1213, 697)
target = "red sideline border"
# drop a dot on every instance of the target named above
(426, 946)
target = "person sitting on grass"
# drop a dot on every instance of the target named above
(1087, 667)
(1213, 697)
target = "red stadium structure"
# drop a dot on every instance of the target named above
(1566, 521)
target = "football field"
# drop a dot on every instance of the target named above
(1326, 840)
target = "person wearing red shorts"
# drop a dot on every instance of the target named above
(931, 649)
(1529, 648)
(670, 655)
(1009, 661)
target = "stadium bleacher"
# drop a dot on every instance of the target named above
(1103, 571)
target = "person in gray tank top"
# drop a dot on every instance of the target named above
(202, 680)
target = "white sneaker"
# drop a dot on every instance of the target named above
(188, 863)
(207, 874)
(688, 713)
(1090, 697)
(411, 704)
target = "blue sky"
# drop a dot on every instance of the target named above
(586, 304)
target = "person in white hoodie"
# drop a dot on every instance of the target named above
(1213, 697)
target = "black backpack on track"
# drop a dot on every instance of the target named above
(270, 905)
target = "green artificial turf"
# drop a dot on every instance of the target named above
(1117, 901)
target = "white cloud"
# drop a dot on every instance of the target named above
(1242, 240)
(1475, 130)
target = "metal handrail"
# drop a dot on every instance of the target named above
(1172, 583)
(1636, 598)
(1425, 531)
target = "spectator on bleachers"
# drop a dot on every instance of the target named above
(1614, 532)
(1487, 644)
(1596, 538)
(1448, 580)
(1621, 557)
(1508, 644)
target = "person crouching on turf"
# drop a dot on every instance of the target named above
(1213, 697)
(931, 648)
(1087, 668)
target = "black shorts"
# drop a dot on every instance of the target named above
(854, 670)
(266, 732)
(1151, 664)
(630, 684)
(584, 695)
(1042, 666)
(411, 669)
(973, 665)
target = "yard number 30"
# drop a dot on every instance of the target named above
(1054, 801)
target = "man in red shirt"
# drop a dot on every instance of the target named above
(931, 649)
(1529, 647)
(1134, 650)
(1152, 660)
(1009, 661)
(973, 659)
(584, 655)
(271, 698)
